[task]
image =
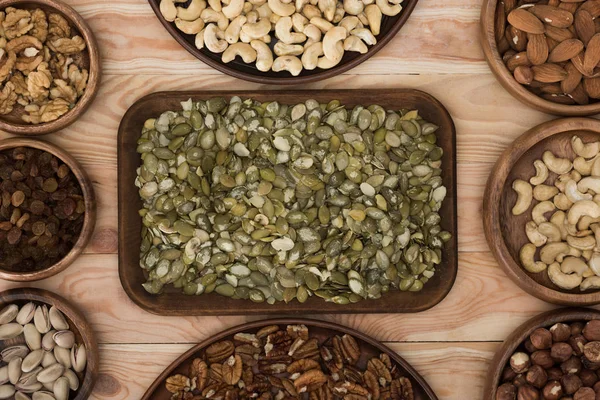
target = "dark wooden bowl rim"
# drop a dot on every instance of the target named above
(266, 78)
(519, 335)
(78, 321)
(90, 209)
(416, 377)
(95, 72)
(506, 79)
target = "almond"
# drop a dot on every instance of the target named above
(592, 87)
(549, 73)
(523, 75)
(570, 7)
(553, 16)
(584, 25)
(516, 39)
(509, 5)
(551, 88)
(537, 49)
(591, 6)
(525, 21)
(579, 95)
(565, 50)
(559, 98)
(503, 45)
(558, 34)
(578, 62)
(499, 23)
(591, 58)
(518, 60)
(551, 44)
(507, 56)
(572, 80)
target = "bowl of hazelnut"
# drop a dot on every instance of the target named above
(553, 356)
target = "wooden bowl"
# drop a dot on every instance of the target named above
(516, 338)
(90, 60)
(505, 233)
(319, 329)
(506, 79)
(90, 209)
(239, 69)
(77, 324)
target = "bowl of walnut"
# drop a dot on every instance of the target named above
(49, 66)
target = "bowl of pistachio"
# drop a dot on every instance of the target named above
(49, 66)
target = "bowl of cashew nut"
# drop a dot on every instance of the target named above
(541, 211)
(283, 41)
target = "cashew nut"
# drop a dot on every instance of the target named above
(551, 251)
(314, 35)
(353, 43)
(283, 49)
(199, 41)
(365, 35)
(354, 7)
(283, 31)
(264, 57)
(374, 16)
(562, 202)
(526, 256)
(291, 64)
(593, 282)
(583, 166)
(573, 194)
(587, 256)
(594, 263)
(253, 16)
(310, 11)
(524, 196)
(387, 9)
(550, 231)
(585, 150)
(332, 43)
(573, 252)
(326, 63)
(538, 211)
(300, 4)
(534, 236)
(232, 33)
(311, 55)
(582, 243)
(544, 192)
(559, 219)
(324, 25)
(282, 9)
(243, 50)
(213, 39)
(258, 29)
(234, 9)
(585, 222)
(596, 168)
(189, 27)
(541, 173)
(299, 22)
(192, 12)
(350, 22)
(556, 164)
(589, 183)
(562, 280)
(168, 10)
(215, 5)
(573, 265)
(581, 208)
(339, 13)
(327, 8)
(210, 15)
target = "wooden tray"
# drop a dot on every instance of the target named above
(239, 69)
(172, 302)
(320, 329)
(505, 233)
(515, 339)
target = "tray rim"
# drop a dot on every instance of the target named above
(224, 68)
(416, 376)
(154, 308)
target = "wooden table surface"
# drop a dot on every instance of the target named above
(437, 51)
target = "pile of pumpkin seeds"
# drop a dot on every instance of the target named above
(271, 202)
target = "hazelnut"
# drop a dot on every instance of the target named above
(527, 392)
(554, 374)
(506, 391)
(560, 332)
(536, 376)
(519, 380)
(590, 365)
(508, 374)
(541, 339)
(561, 352)
(585, 393)
(592, 330)
(552, 391)
(542, 358)
(570, 383)
(529, 346)
(519, 362)
(591, 351)
(596, 387)
(577, 328)
(588, 377)
(571, 366)
(577, 342)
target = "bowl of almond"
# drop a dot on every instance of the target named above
(545, 53)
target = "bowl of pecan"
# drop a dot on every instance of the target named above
(545, 53)
(47, 209)
(290, 358)
(49, 66)
(555, 355)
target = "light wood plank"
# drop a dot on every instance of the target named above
(483, 305)
(126, 371)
